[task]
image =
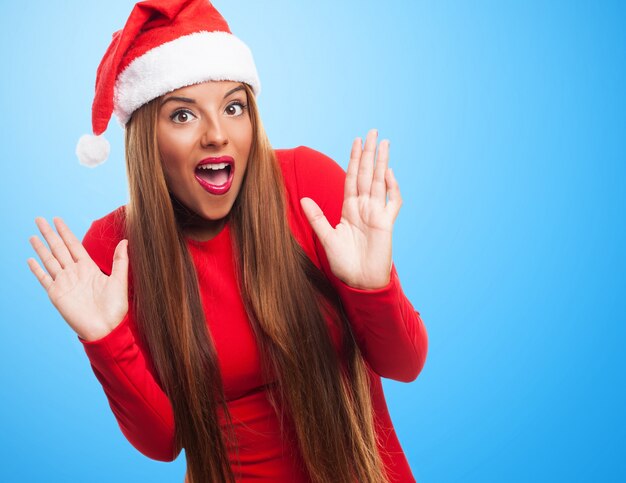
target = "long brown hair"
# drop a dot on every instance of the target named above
(324, 395)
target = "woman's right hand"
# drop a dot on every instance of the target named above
(92, 303)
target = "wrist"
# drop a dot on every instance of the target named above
(95, 334)
(372, 284)
(99, 331)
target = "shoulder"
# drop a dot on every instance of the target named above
(307, 164)
(312, 174)
(103, 236)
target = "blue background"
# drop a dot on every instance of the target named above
(508, 137)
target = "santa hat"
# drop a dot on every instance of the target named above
(165, 45)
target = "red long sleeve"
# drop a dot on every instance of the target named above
(142, 409)
(389, 331)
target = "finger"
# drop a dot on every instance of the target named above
(119, 269)
(55, 242)
(44, 279)
(316, 218)
(73, 244)
(366, 165)
(49, 262)
(393, 192)
(379, 186)
(353, 169)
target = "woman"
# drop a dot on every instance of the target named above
(244, 304)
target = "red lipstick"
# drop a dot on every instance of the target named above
(215, 175)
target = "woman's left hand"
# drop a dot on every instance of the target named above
(359, 247)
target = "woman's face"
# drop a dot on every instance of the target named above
(204, 133)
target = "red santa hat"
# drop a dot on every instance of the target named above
(165, 45)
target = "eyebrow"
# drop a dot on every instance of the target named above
(189, 100)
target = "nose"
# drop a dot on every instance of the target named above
(213, 134)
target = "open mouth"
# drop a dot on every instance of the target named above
(215, 178)
(214, 174)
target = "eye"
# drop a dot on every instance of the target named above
(235, 109)
(182, 116)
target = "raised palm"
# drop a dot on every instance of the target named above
(359, 247)
(92, 303)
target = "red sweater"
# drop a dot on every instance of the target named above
(389, 332)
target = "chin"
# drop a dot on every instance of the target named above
(215, 215)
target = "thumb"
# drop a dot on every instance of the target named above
(316, 218)
(119, 271)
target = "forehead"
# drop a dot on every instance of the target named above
(205, 89)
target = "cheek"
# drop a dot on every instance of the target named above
(168, 173)
(244, 138)
(172, 152)
(168, 164)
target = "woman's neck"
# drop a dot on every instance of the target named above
(193, 225)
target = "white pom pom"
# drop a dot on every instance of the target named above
(92, 150)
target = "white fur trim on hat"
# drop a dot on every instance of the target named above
(187, 60)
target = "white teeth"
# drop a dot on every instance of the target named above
(213, 166)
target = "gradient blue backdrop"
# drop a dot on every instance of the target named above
(507, 122)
